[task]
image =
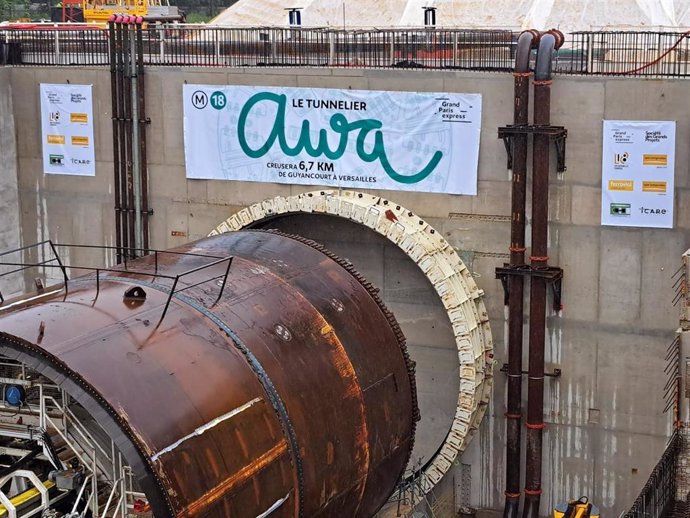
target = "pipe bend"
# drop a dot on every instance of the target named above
(524, 47)
(542, 70)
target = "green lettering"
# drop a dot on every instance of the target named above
(340, 125)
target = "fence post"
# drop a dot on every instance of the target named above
(331, 48)
(161, 47)
(57, 46)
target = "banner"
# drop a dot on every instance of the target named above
(427, 142)
(637, 173)
(67, 130)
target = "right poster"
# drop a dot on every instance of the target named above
(638, 162)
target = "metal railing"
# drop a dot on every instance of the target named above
(658, 495)
(648, 54)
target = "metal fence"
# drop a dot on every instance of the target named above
(650, 54)
(657, 497)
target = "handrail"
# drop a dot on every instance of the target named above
(110, 497)
(659, 493)
(623, 53)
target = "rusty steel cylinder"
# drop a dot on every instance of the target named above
(285, 392)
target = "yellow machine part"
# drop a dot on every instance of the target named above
(98, 11)
(25, 497)
(579, 510)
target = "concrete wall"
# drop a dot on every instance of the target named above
(10, 227)
(605, 427)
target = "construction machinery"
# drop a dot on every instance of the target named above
(247, 374)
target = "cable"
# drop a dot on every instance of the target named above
(651, 63)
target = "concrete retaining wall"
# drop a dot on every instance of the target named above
(10, 228)
(606, 429)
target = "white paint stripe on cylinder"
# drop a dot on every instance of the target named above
(275, 506)
(207, 426)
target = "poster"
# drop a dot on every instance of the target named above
(425, 142)
(67, 129)
(638, 163)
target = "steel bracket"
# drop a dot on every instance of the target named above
(552, 274)
(555, 374)
(557, 134)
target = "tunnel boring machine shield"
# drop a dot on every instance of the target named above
(452, 281)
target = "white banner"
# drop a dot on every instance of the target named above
(67, 130)
(637, 173)
(405, 141)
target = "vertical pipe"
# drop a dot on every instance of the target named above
(116, 141)
(538, 259)
(516, 282)
(129, 141)
(136, 149)
(122, 132)
(142, 138)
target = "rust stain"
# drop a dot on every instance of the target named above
(342, 362)
(329, 453)
(247, 472)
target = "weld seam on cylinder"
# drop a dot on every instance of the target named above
(256, 366)
(533, 492)
(543, 82)
(517, 249)
(539, 258)
(536, 426)
(512, 495)
(513, 416)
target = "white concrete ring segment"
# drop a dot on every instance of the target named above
(445, 270)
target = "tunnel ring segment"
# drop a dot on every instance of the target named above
(443, 267)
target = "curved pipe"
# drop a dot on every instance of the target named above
(542, 69)
(538, 259)
(526, 42)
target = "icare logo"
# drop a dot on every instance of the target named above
(54, 117)
(621, 158)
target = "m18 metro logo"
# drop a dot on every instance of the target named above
(200, 100)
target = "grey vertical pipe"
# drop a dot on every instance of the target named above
(538, 259)
(136, 136)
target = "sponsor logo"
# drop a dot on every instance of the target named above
(79, 118)
(56, 159)
(654, 186)
(80, 141)
(621, 158)
(56, 139)
(54, 117)
(619, 209)
(655, 160)
(79, 161)
(654, 136)
(621, 185)
(648, 210)
(199, 100)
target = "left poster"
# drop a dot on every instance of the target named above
(67, 129)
